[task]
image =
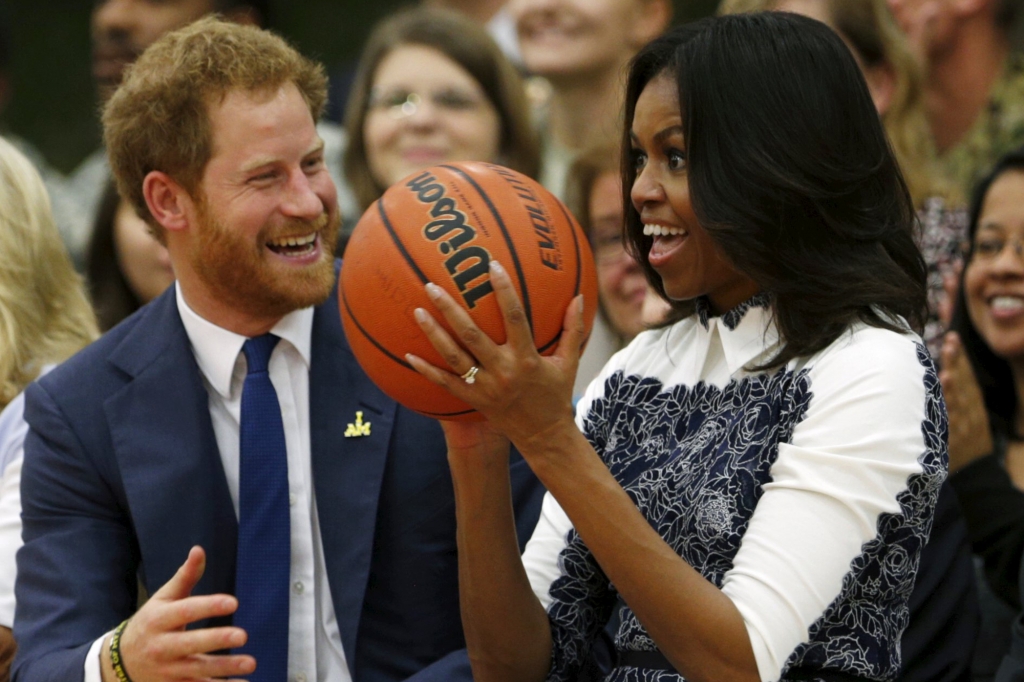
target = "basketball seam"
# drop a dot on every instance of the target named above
(382, 349)
(401, 362)
(398, 243)
(508, 240)
(579, 272)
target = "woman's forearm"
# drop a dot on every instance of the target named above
(507, 631)
(695, 625)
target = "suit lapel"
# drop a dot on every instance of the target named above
(167, 453)
(347, 471)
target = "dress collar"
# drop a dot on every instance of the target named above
(746, 332)
(731, 318)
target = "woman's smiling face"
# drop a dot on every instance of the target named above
(994, 277)
(683, 254)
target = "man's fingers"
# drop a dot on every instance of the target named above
(213, 668)
(184, 580)
(183, 612)
(188, 643)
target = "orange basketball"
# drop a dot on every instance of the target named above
(444, 225)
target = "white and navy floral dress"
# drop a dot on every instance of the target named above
(805, 493)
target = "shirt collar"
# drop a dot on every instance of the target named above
(216, 349)
(747, 332)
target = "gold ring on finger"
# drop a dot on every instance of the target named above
(470, 376)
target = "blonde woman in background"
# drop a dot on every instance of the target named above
(45, 317)
(896, 81)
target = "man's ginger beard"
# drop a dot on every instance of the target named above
(240, 270)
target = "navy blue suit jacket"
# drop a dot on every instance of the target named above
(122, 476)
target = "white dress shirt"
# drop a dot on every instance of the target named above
(314, 640)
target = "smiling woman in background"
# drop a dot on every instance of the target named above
(983, 382)
(432, 87)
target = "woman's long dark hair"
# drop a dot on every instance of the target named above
(993, 372)
(112, 298)
(790, 173)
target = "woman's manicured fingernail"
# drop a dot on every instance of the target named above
(433, 291)
(496, 267)
(421, 315)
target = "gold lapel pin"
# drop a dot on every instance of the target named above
(359, 429)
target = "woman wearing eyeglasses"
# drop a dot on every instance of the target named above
(594, 195)
(983, 377)
(433, 87)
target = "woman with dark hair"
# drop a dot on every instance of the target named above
(752, 484)
(126, 267)
(432, 87)
(983, 378)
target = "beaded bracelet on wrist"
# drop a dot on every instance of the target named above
(115, 654)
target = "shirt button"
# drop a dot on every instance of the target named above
(292, 499)
(299, 587)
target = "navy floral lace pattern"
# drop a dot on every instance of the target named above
(860, 631)
(695, 460)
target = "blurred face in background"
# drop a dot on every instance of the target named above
(881, 79)
(620, 281)
(143, 260)
(123, 29)
(994, 277)
(573, 38)
(426, 109)
(932, 24)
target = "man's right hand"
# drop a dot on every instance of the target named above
(155, 646)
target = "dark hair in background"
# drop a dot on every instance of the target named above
(261, 8)
(579, 182)
(5, 39)
(112, 298)
(790, 173)
(1007, 13)
(468, 45)
(993, 372)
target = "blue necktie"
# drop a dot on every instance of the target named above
(264, 525)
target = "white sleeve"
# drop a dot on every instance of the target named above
(10, 537)
(848, 459)
(92, 661)
(13, 429)
(541, 554)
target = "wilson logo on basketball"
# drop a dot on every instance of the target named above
(466, 263)
(547, 238)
